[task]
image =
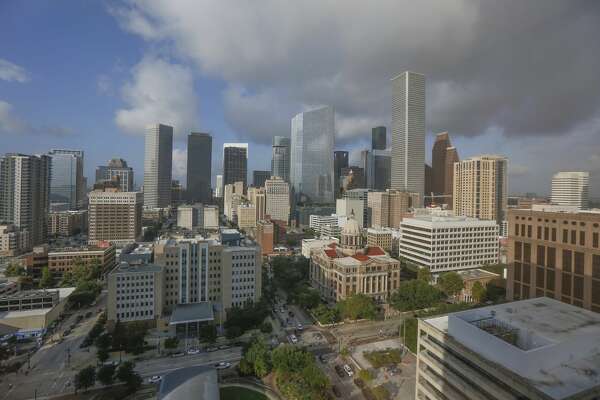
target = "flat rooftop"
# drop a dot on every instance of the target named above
(141, 268)
(553, 345)
(476, 273)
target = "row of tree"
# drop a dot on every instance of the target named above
(107, 375)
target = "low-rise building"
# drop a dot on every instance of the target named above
(67, 223)
(61, 261)
(246, 216)
(317, 222)
(211, 217)
(312, 244)
(265, 236)
(190, 216)
(537, 349)
(13, 240)
(380, 238)
(472, 276)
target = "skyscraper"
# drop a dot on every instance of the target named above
(408, 132)
(25, 194)
(259, 178)
(311, 167)
(67, 183)
(443, 157)
(114, 216)
(235, 163)
(280, 163)
(117, 167)
(199, 167)
(378, 138)
(480, 187)
(278, 199)
(157, 166)
(219, 186)
(340, 161)
(571, 189)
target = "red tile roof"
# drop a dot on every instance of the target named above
(331, 253)
(360, 257)
(332, 245)
(375, 251)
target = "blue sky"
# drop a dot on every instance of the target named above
(90, 74)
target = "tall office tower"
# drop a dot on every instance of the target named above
(340, 160)
(346, 207)
(387, 209)
(571, 189)
(278, 199)
(443, 157)
(114, 216)
(378, 138)
(280, 163)
(233, 197)
(258, 198)
(199, 168)
(235, 163)
(362, 195)
(352, 178)
(408, 132)
(66, 184)
(219, 186)
(480, 188)
(259, 178)
(158, 160)
(117, 167)
(311, 165)
(25, 194)
(428, 180)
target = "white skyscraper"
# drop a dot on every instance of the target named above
(311, 166)
(408, 132)
(277, 199)
(571, 189)
(219, 186)
(157, 166)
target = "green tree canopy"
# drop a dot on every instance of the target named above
(358, 306)
(171, 343)
(14, 269)
(127, 375)
(478, 292)
(424, 274)
(414, 295)
(47, 280)
(451, 283)
(106, 374)
(208, 333)
(85, 378)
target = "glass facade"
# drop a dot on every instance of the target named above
(66, 184)
(280, 163)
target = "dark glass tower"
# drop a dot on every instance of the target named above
(340, 161)
(199, 168)
(378, 139)
(280, 163)
(235, 163)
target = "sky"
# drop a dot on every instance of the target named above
(508, 77)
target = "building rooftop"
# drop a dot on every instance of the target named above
(198, 382)
(552, 345)
(192, 312)
(470, 274)
(125, 267)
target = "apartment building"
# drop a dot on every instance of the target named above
(114, 216)
(388, 208)
(67, 223)
(437, 240)
(537, 349)
(61, 261)
(246, 216)
(554, 251)
(277, 193)
(13, 240)
(380, 238)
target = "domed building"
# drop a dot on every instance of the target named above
(339, 271)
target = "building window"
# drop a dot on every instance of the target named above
(541, 255)
(595, 240)
(554, 234)
(579, 263)
(566, 284)
(565, 236)
(566, 260)
(582, 238)
(573, 237)
(518, 251)
(596, 267)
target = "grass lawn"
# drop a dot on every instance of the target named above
(240, 393)
(382, 358)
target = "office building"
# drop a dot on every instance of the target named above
(318, 223)
(378, 138)
(199, 168)
(235, 163)
(554, 251)
(408, 133)
(387, 209)
(538, 349)
(67, 223)
(340, 271)
(25, 194)
(277, 192)
(177, 193)
(65, 260)
(352, 178)
(211, 217)
(280, 162)
(571, 189)
(265, 236)
(480, 187)
(428, 185)
(116, 168)
(259, 178)
(233, 197)
(246, 216)
(66, 183)
(380, 238)
(347, 206)
(190, 216)
(311, 165)
(443, 156)
(376, 165)
(114, 216)
(441, 242)
(158, 158)
(258, 198)
(340, 161)
(219, 186)
(13, 240)
(362, 195)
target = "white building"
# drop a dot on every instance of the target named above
(442, 242)
(346, 206)
(13, 240)
(277, 192)
(537, 349)
(190, 216)
(219, 186)
(571, 189)
(317, 222)
(312, 244)
(211, 217)
(158, 158)
(246, 216)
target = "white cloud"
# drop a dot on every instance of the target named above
(13, 124)
(12, 72)
(158, 92)
(179, 164)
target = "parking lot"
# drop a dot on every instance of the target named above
(332, 365)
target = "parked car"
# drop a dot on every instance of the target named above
(293, 339)
(348, 370)
(223, 365)
(155, 379)
(299, 327)
(193, 351)
(224, 346)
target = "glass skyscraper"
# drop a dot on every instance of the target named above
(158, 159)
(311, 165)
(280, 163)
(235, 163)
(67, 182)
(199, 168)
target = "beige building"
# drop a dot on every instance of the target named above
(388, 208)
(278, 199)
(211, 217)
(538, 349)
(480, 187)
(351, 268)
(470, 277)
(67, 223)
(61, 261)
(380, 238)
(114, 216)
(246, 216)
(13, 240)
(234, 196)
(190, 216)
(554, 251)
(258, 198)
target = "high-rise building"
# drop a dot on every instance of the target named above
(190, 216)
(387, 209)
(571, 189)
(114, 216)
(362, 195)
(235, 163)
(258, 198)
(233, 197)
(311, 167)
(378, 138)
(177, 193)
(265, 236)
(443, 156)
(66, 183)
(480, 187)
(340, 161)
(219, 186)
(277, 193)
(351, 206)
(117, 167)
(428, 182)
(158, 159)
(280, 163)
(246, 216)
(352, 178)
(408, 132)
(25, 194)
(259, 178)
(67, 223)
(199, 168)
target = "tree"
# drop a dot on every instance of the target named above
(171, 343)
(415, 295)
(46, 281)
(358, 306)
(478, 292)
(327, 315)
(451, 283)
(85, 378)
(266, 327)
(14, 269)
(258, 357)
(307, 298)
(424, 274)
(208, 333)
(106, 374)
(127, 375)
(365, 375)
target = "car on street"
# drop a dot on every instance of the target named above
(348, 370)
(193, 351)
(293, 339)
(223, 365)
(180, 354)
(155, 379)
(299, 327)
